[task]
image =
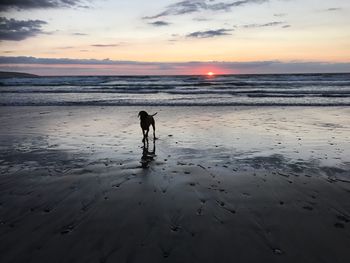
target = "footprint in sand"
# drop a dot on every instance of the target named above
(200, 211)
(277, 251)
(174, 228)
(343, 218)
(310, 208)
(67, 229)
(339, 225)
(221, 203)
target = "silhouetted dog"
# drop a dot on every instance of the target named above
(147, 120)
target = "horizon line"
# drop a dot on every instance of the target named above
(108, 67)
(173, 75)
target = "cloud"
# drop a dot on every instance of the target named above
(66, 66)
(263, 25)
(334, 9)
(193, 6)
(79, 34)
(280, 15)
(34, 60)
(66, 47)
(33, 4)
(210, 33)
(16, 30)
(201, 19)
(105, 45)
(159, 23)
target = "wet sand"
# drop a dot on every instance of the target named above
(225, 184)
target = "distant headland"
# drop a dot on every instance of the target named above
(4, 74)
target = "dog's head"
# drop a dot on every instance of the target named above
(143, 114)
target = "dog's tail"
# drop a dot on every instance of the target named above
(154, 114)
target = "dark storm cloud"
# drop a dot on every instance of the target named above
(16, 30)
(159, 23)
(264, 25)
(210, 33)
(193, 6)
(32, 4)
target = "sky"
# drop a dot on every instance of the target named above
(162, 37)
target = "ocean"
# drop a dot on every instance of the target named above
(234, 90)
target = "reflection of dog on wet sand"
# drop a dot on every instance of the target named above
(147, 156)
(146, 121)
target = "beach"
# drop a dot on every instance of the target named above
(220, 184)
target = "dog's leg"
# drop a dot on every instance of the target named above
(143, 133)
(147, 134)
(154, 131)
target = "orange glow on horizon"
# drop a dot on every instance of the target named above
(210, 70)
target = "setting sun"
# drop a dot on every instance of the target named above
(210, 73)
